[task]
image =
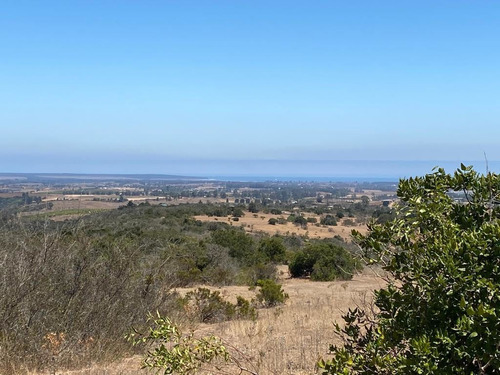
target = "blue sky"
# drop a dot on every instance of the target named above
(193, 86)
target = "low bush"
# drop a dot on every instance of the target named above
(323, 261)
(328, 220)
(205, 306)
(270, 293)
(272, 221)
(176, 353)
(349, 222)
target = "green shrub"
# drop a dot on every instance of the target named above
(328, 220)
(349, 222)
(272, 221)
(241, 245)
(178, 353)
(270, 293)
(172, 352)
(209, 307)
(259, 270)
(300, 220)
(282, 220)
(244, 309)
(323, 261)
(272, 248)
(439, 313)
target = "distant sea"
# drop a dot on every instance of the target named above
(301, 179)
(358, 170)
(258, 170)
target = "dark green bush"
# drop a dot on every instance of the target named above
(328, 220)
(244, 309)
(270, 293)
(272, 248)
(300, 220)
(240, 244)
(273, 221)
(323, 261)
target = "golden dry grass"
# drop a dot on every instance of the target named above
(259, 223)
(290, 339)
(283, 340)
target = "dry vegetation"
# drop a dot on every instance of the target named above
(259, 223)
(283, 340)
(109, 269)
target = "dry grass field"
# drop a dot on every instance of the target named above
(283, 340)
(259, 223)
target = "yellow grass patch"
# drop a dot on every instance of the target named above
(259, 223)
(283, 340)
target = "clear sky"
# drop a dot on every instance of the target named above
(131, 86)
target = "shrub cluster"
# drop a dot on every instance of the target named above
(206, 306)
(323, 261)
(270, 293)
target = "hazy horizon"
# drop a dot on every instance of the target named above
(263, 169)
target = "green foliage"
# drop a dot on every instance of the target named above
(440, 312)
(272, 248)
(323, 261)
(238, 212)
(282, 220)
(244, 309)
(252, 207)
(297, 219)
(328, 220)
(349, 222)
(365, 201)
(241, 245)
(272, 221)
(256, 262)
(300, 220)
(259, 270)
(270, 293)
(209, 307)
(178, 353)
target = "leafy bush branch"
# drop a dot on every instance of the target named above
(174, 352)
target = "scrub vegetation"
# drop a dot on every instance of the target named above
(71, 289)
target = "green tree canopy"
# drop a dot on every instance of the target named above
(273, 248)
(440, 312)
